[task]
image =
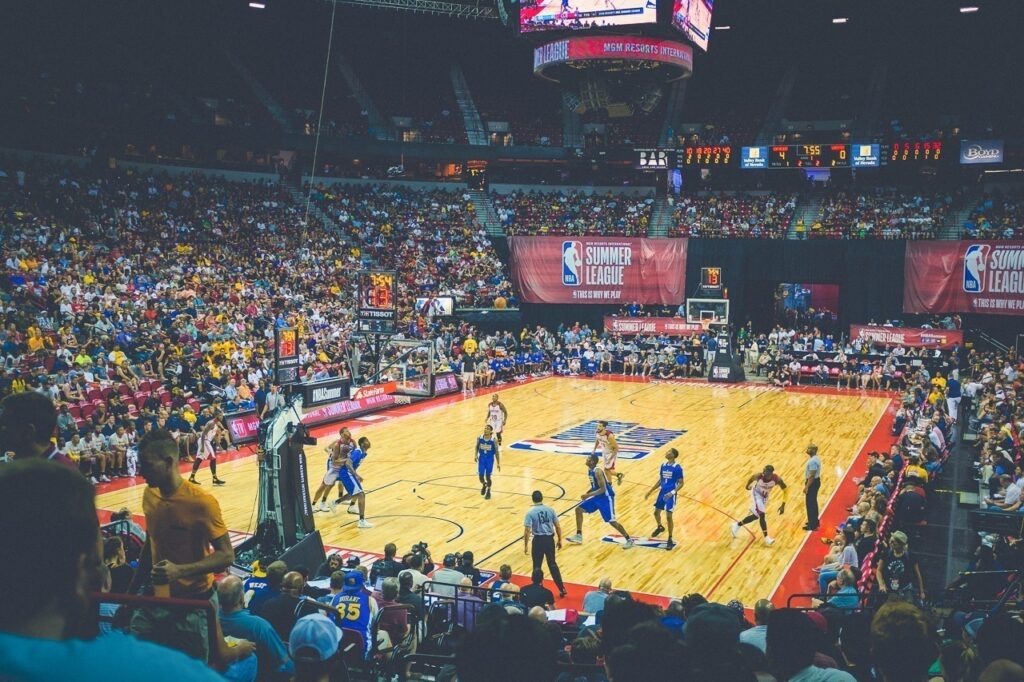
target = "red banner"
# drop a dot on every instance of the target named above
(964, 277)
(909, 336)
(620, 48)
(598, 269)
(669, 326)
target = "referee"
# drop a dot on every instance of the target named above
(542, 522)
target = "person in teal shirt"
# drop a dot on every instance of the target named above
(45, 591)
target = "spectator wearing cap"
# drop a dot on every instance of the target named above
(447, 577)
(356, 609)
(237, 622)
(313, 645)
(899, 572)
(45, 593)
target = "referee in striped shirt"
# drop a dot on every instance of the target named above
(542, 522)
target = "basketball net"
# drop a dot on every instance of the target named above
(706, 324)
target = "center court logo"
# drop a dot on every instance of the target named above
(572, 263)
(635, 441)
(974, 268)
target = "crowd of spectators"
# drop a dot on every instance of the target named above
(574, 213)
(432, 238)
(880, 215)
(996, 217)
(764, 216)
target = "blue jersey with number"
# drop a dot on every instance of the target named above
(670, 474)
(594, 486)
(485, 448)
(353, 613)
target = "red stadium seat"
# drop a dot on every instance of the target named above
(75, 410)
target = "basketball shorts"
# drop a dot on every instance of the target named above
(485, 465)
(759, 503)
(351, 485)
(668, 505)
(608, 460)
(600, 503)
(496, 425)
(331, 477)
(205, 450)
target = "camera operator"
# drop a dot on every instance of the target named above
(420, 550)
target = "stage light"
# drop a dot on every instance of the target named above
(968, 10)
(257, 5)
(722, 28)
(840, 20)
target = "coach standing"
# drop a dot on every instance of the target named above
(542, 522)
(812, 481)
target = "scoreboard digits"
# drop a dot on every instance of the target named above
(811, 155)
(378, 307)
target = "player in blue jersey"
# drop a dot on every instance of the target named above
(670, 482)
(336, 454)
(600, 498)
(486, 455)
(352, 482)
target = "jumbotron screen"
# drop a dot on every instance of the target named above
(548, 15)
(693, 18)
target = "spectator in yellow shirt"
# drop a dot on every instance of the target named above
(469, 345)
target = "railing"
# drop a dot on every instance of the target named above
(172, 604)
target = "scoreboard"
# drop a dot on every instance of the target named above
(813, 155)
(809, 156)
(378, 302)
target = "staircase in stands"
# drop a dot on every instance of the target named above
(380, 127)
(475, 132)
(952, 226)
(272, 106)
(485, 213)
(300, 197)
(661, 218)
(808, 210)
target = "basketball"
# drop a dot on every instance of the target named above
(500, 303)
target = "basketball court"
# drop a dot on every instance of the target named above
(423, 485)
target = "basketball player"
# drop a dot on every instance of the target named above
(206, 450)
(486, 455)
(600, 498)
(337, 452)
(355, 457)
(353, 482)
(668, 485)
(760, 487)
(604, 441)
(497, 415)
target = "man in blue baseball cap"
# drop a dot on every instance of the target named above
(313, 645)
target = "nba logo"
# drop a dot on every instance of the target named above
(572, 261)
(974, 268)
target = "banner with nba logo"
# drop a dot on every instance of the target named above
(964, 277)
(598, 269)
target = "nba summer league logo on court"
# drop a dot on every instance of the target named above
(635, 441)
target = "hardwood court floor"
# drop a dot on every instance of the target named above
(423, 485)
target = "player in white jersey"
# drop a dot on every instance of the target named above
(206, 450)
(760, 487)
(497, 415)
(337, 452)
(604, 441)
